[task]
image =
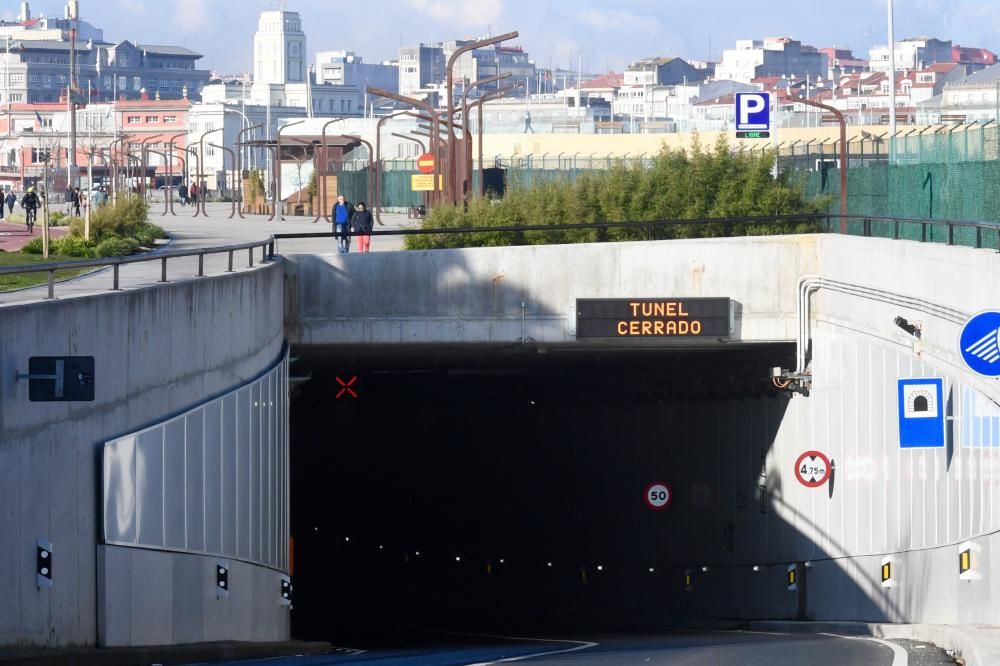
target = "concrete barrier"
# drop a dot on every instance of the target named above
(158, 351)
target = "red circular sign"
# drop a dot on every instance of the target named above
(813, 469)
(659, 496)
(425, 163)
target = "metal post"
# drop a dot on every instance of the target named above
(114, 283)
(201, 265)
(450, 184)
(201, 166)
(843, 157)
(277, 195)
(322, 175)
(163, 269)
(242, 167)
(232, 156)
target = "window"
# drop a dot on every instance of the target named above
(136, 83)
(170, 119)
(122, 82)
(16, 97)
(17, 79)
(152, 119)
(39, 155)
(107, 82)
(135, 119)
(122, 59)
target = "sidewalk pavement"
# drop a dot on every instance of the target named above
(217, 230)
(975, 645)
(146, 656)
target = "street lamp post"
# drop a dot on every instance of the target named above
(892, 86)
(843, 157)
(450, 187)
(277, 167)
(324, 192)
(467, 134)
(201, 167)
(232, 156)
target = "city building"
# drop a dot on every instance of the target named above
(662, 72)
(911, 53)
(38, 68)
(26, 27)
(973, 98)
(281, 74)
(346, 68)
(421, 67)
(842, 61)
(774, 56)
(976, 58)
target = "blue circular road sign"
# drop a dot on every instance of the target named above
(980, 343)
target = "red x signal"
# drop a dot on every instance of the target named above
(346, 387)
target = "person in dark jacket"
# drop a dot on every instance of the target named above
(343, 211)
(182, 194)
(362, 224)
(75, 198)
(11, 201)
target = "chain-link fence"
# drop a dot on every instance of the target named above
(937, 173)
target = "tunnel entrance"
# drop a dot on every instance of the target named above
(491, 488)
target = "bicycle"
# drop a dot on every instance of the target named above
(30, 215)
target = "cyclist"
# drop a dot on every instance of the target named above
(30, 204)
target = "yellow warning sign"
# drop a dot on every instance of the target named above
(425, 182)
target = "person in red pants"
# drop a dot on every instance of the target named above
(362, 223)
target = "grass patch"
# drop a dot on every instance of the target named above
(21, 280)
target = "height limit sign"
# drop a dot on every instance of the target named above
(813, 469)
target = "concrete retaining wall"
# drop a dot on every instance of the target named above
(158, 351)
(476, 295)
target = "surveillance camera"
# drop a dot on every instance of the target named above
(912, 329)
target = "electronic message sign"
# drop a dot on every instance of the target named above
(653, 318)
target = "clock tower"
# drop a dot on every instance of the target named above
(279, 48)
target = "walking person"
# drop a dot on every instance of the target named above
(342, 214)
(362, 224)
(10, 200)
(182, 194)
(75, 197)
(193, 194)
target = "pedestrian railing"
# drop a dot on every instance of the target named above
(266, 247)
(968, 233)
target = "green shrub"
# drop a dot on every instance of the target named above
(34, 246)
(700, 183)
(122, 219)
(73, 246)
(116, 247)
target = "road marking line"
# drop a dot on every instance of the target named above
(580, 645)
(900, 657)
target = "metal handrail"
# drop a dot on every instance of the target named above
(572, 226)
(950, 225)
(266, 245)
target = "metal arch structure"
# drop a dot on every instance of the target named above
(232, 155)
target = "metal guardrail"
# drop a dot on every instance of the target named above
(648, 226)
(266, 246)
(827, 218)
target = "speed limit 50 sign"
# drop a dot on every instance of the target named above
(659, 495)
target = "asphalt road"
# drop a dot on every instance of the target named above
(717, 648)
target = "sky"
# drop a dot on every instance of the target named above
(607, 33)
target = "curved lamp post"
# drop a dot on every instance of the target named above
(321, 176)
(450, 193)
(201, 167)
(278, 201)
(232, 156)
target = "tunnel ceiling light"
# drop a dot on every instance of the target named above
(417, 553)
(808, 565)
(756, 568)
(548, 564)
(600, 567)
(501, 560)
(347, 539)
(458, 558)
(704, 569)
(652, 569)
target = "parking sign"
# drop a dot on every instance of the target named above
(753, 111)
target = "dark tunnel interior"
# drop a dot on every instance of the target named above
(488, 491)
